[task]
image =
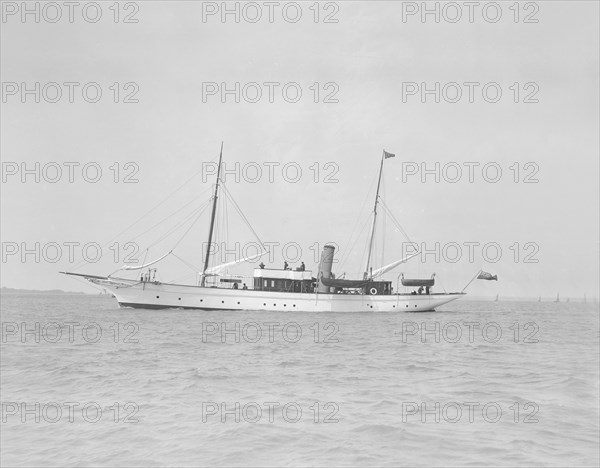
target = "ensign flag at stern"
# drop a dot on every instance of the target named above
(484, 275)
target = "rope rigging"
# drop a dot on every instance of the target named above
(242, 215)
(151, 210)
(189, 221)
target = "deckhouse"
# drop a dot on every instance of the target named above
(267, 279)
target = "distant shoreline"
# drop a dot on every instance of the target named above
(5, 290)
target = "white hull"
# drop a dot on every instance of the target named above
(164, 296)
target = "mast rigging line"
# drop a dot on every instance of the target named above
(80, 263)
(197, 213)
(366, 274)
(383, 225)
(371, 244)
(192, 267)
(239, 210)
(346, 254)
(348, 248)
(225, 220)
(206, 202)
(212, 218)
(194, 214)
(188, 229)
(395, 221)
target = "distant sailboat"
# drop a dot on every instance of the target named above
(557, 298)
(584, 298)
(540, 299)
(567, 299)
(496, 300)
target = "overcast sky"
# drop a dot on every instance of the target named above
(368, 56)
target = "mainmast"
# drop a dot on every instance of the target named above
(367, 272)
(212, 220)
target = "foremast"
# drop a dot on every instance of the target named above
(212, 220)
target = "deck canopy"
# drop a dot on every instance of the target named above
(283, 274)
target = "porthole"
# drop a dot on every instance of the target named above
(274, 305)
(406, 305)
(294, 305)
(284, 305)
(179, 298)
(238, 302)
(201, 300)
(265, 304)
(222, 302)
(157, 297)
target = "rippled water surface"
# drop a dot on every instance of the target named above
(405, 389)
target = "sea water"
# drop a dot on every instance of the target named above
(85, 383)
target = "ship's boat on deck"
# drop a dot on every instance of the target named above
(414, 282)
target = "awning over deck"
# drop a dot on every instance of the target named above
(283, 274)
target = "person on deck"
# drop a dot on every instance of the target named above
(302, 267)
(420, 290)
(285, 266)
(235, 285)
(244, 287)
(261, 266)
